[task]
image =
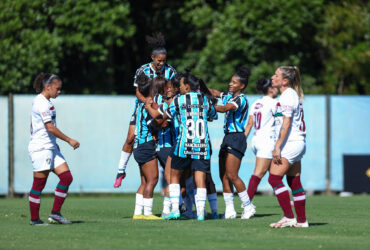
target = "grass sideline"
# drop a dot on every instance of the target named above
(105, 223)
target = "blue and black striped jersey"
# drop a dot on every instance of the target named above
(143, 128)
(235, 119)
(193, 109)
(175, 124)
(168, 71)
(164, 135)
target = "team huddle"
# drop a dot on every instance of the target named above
(169, 125)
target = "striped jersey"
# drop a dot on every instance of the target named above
(143, 128)
(235, 119)
(168, 71)
(175, 123)
(193, 110)
(165, 134)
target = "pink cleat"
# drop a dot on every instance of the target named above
(119, 178)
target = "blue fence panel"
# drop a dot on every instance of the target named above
(350, 132)
(4, 167)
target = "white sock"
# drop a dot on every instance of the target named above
(166, 205)
(212, 199)
(139, 204)
(148, 205)
(244, 198)
(174, 196)
(200, 200)
(123, 161)
(229, 201)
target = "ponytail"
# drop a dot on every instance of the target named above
(291, 73)
(42, 79)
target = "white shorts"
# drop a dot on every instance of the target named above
(263, 147)
(293, 151)
(47, 159)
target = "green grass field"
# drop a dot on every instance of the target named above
(105, 223)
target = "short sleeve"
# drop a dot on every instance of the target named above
(212, 113)
(162, 108)
(172, 108)
(138, 72)
(287, 105)
(43, 109)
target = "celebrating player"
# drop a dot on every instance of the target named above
(234, 144)
(289, 148)
(151, 70)
(262, 118)
(44, 151)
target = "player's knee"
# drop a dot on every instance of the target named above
(232, 176)
(274, 180)
(66, 178)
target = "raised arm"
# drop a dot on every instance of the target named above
(225, 108)
(139, 96)
(215, 92)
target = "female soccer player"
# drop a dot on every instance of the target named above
(193, 145)
(289, 148)
(262, 117)
(44, 151)
(151, 70)
(234, 144)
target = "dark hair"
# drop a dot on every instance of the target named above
(42, 79)
(175, 81)
(158, 85)
(157, 43)
(243, 73)
(143, 84)
(263, 85)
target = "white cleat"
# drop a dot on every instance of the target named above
(284, 222)
(249, 211)
(229, 215)
(303, 224)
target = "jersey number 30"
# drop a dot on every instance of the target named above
(195, 129)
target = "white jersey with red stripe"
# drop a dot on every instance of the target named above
(263, 111)
(289, 105)
(43, 111)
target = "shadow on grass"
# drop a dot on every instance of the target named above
(79, 221)
(264, 215)
(318, 224)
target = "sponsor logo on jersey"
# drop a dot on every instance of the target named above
(258, 106)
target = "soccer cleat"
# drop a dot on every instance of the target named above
(164, 215)
(284, 222)
(119, 178)
(182, 208)
(248, 212)
(58, 219)
(38, 222)
(215, 215)
(151, 217)
(229, 215)
(174, 215)
(303, 224)
(200, 218)
(138, 217)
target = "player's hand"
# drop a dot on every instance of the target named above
(276, 156)
(74, 144)
(148, 102)
(165, 123)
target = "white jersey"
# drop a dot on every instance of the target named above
(43, 111)
(263, 111)
(289, 105)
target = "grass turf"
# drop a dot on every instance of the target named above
(105, 223)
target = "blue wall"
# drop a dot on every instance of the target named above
(4, 174)
(100, 123)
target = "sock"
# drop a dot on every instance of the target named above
(139, 204)
(190, 190)
(123, 162)
(212, 199)
(252, 186)
(244, 198)
(181, 200)
(166, 205)
(229, 201)
(174, 196)
(282, 194)
(299, 197)
(200, 200)
(65, 179)
(35, 195)
(148, 205)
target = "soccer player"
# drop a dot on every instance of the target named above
(262, 118)
(234, 144)
(151, 70)
(193, 145)
(289, 148)
(44, 151)
(145, 154)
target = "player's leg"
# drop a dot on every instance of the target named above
(125, 155)
(200, 169)
(150, 171)
(299, 197)
(277, 172)
(212, 195)
(39, 182)
(139, 201)
(262, 165)
(227, 188)
(189, 198)
(177, 167)
(166, 200)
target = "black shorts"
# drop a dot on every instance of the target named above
(179, 163)
(145, 152)
(162, 155)
(234, 143)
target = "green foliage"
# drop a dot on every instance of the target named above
(41, 35)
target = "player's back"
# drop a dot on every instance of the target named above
(263, 111)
